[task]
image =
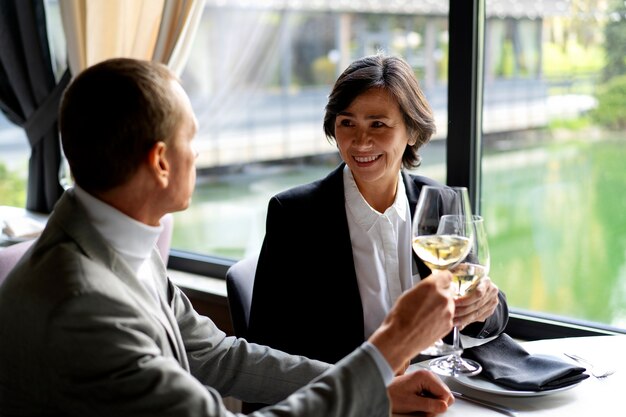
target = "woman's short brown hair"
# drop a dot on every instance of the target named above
(111, 115)
(396, 76)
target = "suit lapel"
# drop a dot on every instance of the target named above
(171, 324)
(70, 216)
(337, 225)
(158, 309)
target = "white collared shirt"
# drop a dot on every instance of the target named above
(381, 247)
(130, 238)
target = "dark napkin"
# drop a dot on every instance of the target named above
(506, 363)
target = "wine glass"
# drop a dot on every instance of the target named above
(466, 276)
(439, 248)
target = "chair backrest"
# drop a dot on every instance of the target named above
(10, 255)
(239, 283)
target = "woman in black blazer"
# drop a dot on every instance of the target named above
(319, 289)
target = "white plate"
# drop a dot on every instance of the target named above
(481, 384)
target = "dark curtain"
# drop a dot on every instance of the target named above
(30, 96)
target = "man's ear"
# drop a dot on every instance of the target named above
(158, 164)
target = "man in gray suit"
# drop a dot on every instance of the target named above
(90, 325)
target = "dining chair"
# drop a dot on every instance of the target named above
(239, 283)
(10, 255)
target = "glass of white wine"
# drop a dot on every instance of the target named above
(439, 248)
(466, 275)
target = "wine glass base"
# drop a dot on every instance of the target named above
(454, 365)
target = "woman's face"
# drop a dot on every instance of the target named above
(371, 136)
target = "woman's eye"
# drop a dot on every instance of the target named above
(345, 122)
(378, 124)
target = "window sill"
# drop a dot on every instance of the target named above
(214, 286)
(208, 296)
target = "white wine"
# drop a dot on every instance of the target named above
(466, 276)
(441, 251)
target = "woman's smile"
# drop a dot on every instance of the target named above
(366, 160)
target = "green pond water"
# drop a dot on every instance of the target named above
(555, 214)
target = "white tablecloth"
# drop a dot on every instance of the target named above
(592, 397)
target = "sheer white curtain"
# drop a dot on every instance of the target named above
(158, 30)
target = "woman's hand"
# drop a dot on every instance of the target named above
(477, 305)
(419, 391)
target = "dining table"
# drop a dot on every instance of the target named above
(594, 396)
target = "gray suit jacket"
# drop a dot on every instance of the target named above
(81, 336)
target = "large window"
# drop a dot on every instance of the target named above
(259, 78)
(554, 145)
(545, 161)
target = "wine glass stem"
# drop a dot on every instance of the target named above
(456, 339)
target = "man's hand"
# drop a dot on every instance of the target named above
(419, 391)
(476, 305)
(420, 316)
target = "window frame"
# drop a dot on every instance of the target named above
(463, 164)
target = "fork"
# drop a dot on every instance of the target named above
(594, 370)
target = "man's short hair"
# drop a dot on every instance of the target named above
(111, 115)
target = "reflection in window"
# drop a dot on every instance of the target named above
(553, 181)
